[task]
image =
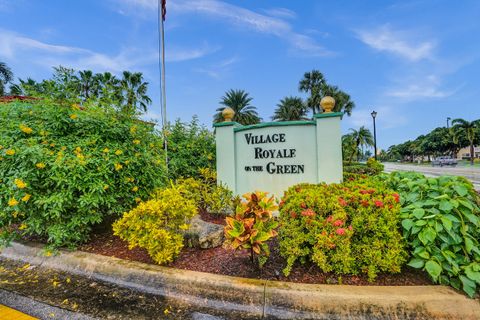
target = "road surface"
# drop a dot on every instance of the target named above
(471, 173)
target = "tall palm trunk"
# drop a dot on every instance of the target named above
(472, 152)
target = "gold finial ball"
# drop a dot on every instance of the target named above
(327, 103)
(228, 114)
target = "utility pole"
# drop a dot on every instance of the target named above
(374, 115)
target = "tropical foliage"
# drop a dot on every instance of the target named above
(290, 109)
(64, 169)
(347, 228)
(127, 94)
(469, 130)
(6, 76)
(252, 226)
(315, 84)
(354, 143)
(240, 102)
(441, 222)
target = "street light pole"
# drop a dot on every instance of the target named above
(374, 115)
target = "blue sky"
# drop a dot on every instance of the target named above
(415, 62)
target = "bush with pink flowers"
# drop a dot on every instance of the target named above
(347, 228)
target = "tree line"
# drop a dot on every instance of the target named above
(440, 141)
(127, 94)
(289, 108)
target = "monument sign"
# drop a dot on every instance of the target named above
(273, 156)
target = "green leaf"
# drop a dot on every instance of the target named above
(447, 223)
(420, 223)
(473, 275)
(445, 206)
(433, 268)
(461, 190)
(469, 245)
(418, 213)
(407, 224)
(468, 286)
(416, 263)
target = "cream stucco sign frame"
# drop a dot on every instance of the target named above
(276, 155)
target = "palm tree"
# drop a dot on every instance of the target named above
(108, 89)
(361, 138)
(88, 84)
(290, 109)
(134, 92)
(468, 129)
(348, 147)
(342, 99)
(6, 76)
(239, 101)
(313, 82)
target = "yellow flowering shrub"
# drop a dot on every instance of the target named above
(60, 176)
(156, 225)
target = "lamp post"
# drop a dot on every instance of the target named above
(374, 115)
(448, 120)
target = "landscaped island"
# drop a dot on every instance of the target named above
(66, 170)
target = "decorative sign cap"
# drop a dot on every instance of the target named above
(327, 103)
(228, 114)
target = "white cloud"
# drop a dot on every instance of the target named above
(20, 48)
(420, 88)
(399, 43)
(241, 17)
(281, 13)
(175, 54)
(219, 69)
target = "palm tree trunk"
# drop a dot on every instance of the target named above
(472, 153)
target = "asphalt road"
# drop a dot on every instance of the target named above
(471, 173)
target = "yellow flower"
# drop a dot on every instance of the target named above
(133, 129)
(63, 148)
(78, 150)
(118, 166)
(106, 150)
(73, 116)
(135, 189)
(20, 184)
(127, 162)
(137, 199)
(118, 152)
(22, 226)
(105, 187)
(10, 152)
(52, 145)
(76, 106)
(26, 197)
(136, 141)
(12, 202)
(40, 165)
(25, 129)
(1, 147)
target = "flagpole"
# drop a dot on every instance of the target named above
(161, 17)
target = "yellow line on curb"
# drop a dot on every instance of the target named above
(7, 313)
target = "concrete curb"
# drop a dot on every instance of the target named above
(256, 299)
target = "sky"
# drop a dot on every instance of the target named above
(414, 62)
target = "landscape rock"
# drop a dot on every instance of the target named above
(203, 234)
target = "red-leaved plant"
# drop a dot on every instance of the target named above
(252, 226)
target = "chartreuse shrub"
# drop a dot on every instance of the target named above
(64, 169)
(157, 224)
(441, 222)
(252, 226)
(206, 193)
(375, 165)
(347, 228)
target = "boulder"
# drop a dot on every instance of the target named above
(203, 234)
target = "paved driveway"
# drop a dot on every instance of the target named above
(471, 173)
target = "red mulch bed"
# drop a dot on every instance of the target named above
(237, 263)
